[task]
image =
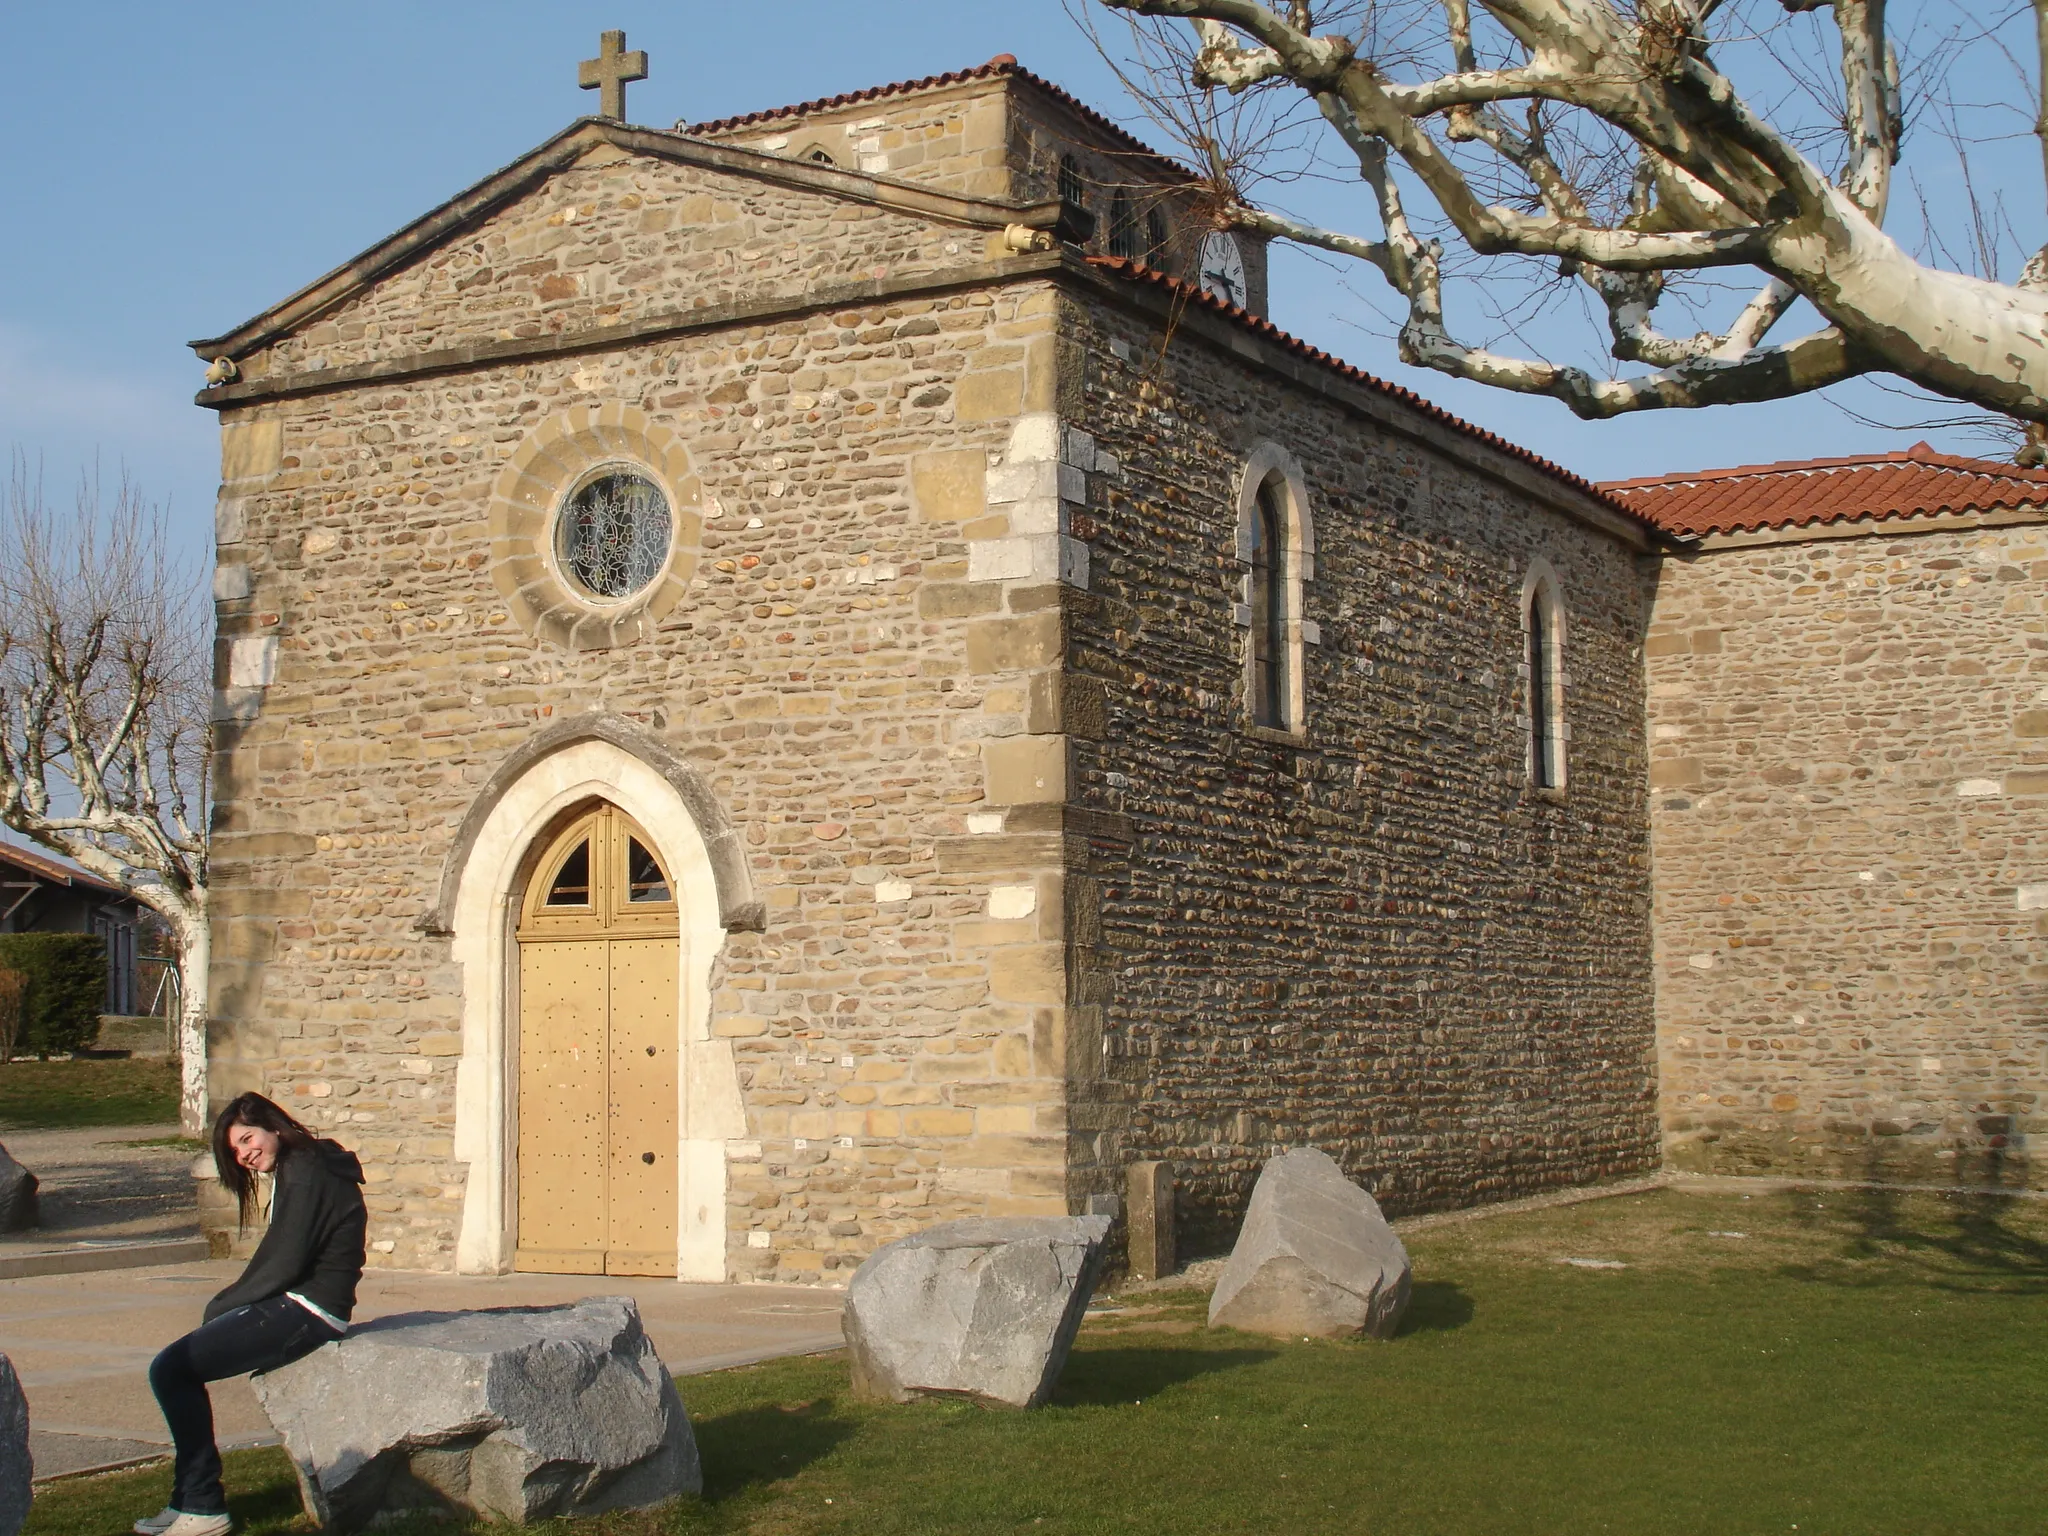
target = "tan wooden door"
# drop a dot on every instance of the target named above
(598, 1181)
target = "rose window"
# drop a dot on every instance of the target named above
(613, 534)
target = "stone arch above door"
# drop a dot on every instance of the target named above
(526, 800)
(739, 909)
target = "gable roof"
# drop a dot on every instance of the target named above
(1188, 294)
(1003, 65)
(1805, 493)
(56, 871)
(471, 207)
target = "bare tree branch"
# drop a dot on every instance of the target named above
(104, 698)
(1711, 182)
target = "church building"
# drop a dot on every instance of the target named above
(786, 679)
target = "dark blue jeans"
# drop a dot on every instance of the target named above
(259, 1337)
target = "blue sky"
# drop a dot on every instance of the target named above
(173, 169)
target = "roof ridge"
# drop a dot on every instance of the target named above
(1137, 270)
(1001, 64)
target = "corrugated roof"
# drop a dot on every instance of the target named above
(1138, 272)
(1001, 64)
(1803, 493)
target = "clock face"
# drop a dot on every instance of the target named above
(1223, 268)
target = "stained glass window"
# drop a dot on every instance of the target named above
(613, 535)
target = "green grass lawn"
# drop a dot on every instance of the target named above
(1849, 1363)
(53, 1095)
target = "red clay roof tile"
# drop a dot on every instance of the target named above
(1803, 493)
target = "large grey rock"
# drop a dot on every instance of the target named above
(985, 1309)
(18, 1207)
(517, 1413)
(1315, 1257)
(16, 1468)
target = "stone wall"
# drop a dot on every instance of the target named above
(1371, 937)
(952, 136)
(1850, 804)
(849, 693)
(620, 238)
(1003, 136)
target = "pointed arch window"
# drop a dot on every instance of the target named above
(1276, 551)
(1543, 679)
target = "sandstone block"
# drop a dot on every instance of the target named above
(1026, 770)
(950, 484)
(994, 396)
(18, 1203)
(515, 1414)
(16, 1466)
(1014, 645)
(1149, 1220)
(1315, 1257)
(984, 1309)
(251, 450)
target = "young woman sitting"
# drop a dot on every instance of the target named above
(296, 1294)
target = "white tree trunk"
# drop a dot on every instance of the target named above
(194, 961)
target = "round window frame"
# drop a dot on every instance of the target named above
(551, 540)
(553, 461)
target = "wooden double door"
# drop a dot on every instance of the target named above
(598, 1055)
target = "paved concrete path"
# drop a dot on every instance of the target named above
(83, 1342)
(104, 1184)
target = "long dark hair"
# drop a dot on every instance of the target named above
(253, 1109)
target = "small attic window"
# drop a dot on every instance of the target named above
(817, 156)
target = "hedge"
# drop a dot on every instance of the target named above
(67, 988)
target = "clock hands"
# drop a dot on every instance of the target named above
(1217, 277)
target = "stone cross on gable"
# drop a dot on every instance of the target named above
(610, 71)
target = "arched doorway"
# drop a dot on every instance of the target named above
(598, 1053)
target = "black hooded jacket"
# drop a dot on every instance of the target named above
(315, 1243)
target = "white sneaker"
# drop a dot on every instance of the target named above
(198, 1525)
(156, 1524)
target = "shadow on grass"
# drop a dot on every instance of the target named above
(1436, 1306)
(1117, 1373)
(767, 1443)
(1975, 1245)
(273, 1501)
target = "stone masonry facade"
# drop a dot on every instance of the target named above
(1369, 934)
(899, 1015)
(955, 642)
(1849, 754)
